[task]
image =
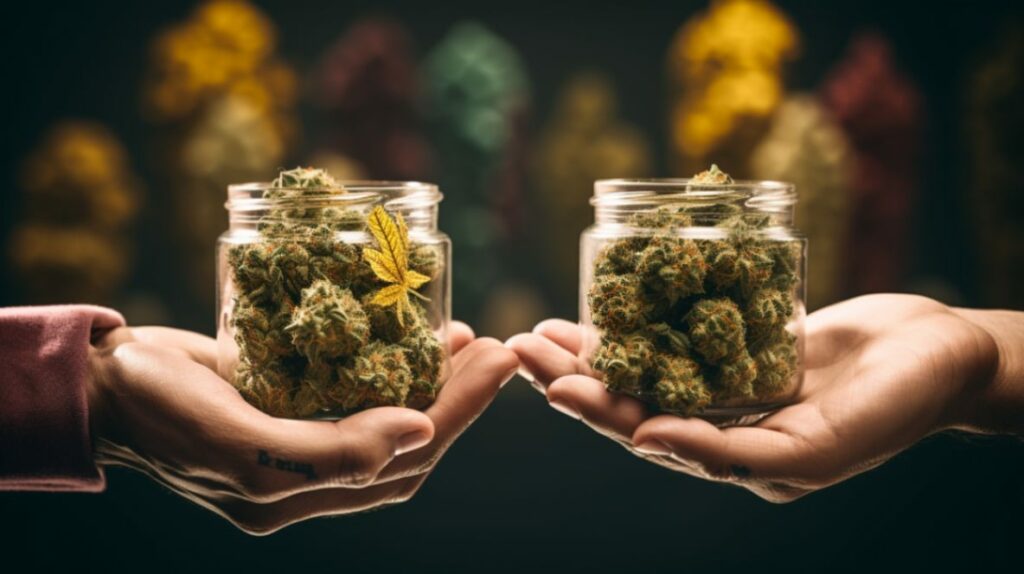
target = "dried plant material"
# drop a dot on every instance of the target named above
(323, 322)
(391, 264)
(691, 324)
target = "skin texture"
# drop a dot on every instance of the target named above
(882, 372)
(157, 406)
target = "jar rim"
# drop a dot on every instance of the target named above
(757, 194)
(393, 194)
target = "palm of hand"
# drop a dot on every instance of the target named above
(159, 407)
(882, 372)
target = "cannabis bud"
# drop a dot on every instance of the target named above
(327, 324)
(688, 324)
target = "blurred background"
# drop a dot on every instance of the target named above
(901, 125)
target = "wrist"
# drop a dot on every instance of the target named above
(97, 384)
(995, 401)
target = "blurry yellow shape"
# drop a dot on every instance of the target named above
(584, 140)
(67, 265)
(226, 45)
(725, 66)
(227, 102)
(230, 142)
(79, 174)
(80, 196)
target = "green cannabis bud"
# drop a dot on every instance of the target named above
(688, 324)
(679, 385)
(672, 266)
(328, 323)
(617, 302)
(314, 337)
(626, 362)
(717, 329)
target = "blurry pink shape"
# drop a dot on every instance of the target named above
(369, 88)
(880, 111)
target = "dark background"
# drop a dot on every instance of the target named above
(527, 487)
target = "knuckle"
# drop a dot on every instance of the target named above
(405, 493)
(357, 467)
(257, 527)
(251, 519)
(779, 493)
(428, 463)
(255, 488)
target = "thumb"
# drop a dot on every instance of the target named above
(726, 454)
(367, 441)
(348, 453)
(392, 430)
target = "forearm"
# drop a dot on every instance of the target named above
(999, 407)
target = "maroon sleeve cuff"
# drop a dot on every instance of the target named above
(44, 412)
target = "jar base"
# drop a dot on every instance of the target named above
(738, 416)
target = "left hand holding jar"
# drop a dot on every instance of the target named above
(157, 405)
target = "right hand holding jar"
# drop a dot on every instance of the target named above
(692, 294)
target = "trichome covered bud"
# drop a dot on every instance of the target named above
(776, 364)
(617, 302)
(692, 320)
(680, 386)
(382, 371)
(672, 266)
(717, 329)
(328, 323)
(315, 336)
(625, 362)
(767, 312)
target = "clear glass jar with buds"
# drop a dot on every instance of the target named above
(692, 294)
(333, 297)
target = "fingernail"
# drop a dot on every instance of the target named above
(508, 378)
(525, 374)
(565, 409)
(411, 441)
(538, 387)
(653, 447)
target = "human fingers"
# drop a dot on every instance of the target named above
(264, 519)
(565, 334)
(479, 371)
(542, 360)
(583, 398)
(459, 335)
(183, 414)
(777, 465)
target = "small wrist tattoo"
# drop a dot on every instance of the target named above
(263, 458)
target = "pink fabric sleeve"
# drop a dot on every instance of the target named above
(44, 413)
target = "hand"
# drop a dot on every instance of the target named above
(157, 405)
(882, 372)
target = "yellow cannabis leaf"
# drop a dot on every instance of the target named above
(390, 263)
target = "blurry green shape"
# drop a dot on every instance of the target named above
(474, 81)
(477, 95)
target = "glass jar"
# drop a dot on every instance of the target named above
(307, 327)
(692, 295)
